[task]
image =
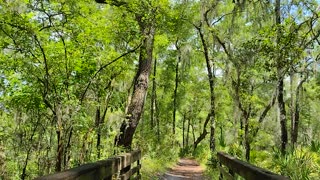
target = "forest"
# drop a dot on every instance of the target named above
(82, 80)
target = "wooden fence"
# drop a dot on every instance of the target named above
(229, 166)
(119, 167)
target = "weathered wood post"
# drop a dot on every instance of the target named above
(248, 171)
(104, 169)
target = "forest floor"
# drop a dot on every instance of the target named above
(185, 169)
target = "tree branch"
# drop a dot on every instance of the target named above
(103, 67)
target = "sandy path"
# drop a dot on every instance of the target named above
(185, 169)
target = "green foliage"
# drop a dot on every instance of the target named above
(298, 164)
(315, 146)
(59, 76)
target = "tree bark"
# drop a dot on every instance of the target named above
(153, 95)
(246, 135)
(141, 81)
(98, 118)
(188, 130)
(283, 119)
(175, 92)
(67, 155)
(296, 117)
(60, 133)
(183, 130)
(176, 89)
(281, 103)
(211, 78)
(292, 106)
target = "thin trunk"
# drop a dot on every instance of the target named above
(60, 148)
(295, 128)
(193, 134)
(188, 130)
(157, 120)
(292, 106)
(47, 157)
(153, 94)
(98, 118)
(283, 120)
(211, 78)
(246, 134)
(24, 170)
(264, 114)
(183, 129)
(135, 108)
(246, 139)
(175, 93)
(281, 103)
(241, 129)
(203, 133)
(67, 150)
(236, 85)
(59, 151)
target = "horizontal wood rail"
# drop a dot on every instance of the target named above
(118, 167)
(243, 169)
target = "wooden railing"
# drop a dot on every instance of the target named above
(119, 167)
(229, 166)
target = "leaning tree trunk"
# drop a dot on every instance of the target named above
(141, 81)
(211, 114)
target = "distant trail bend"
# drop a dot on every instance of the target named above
(185, 169)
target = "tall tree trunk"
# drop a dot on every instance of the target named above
(183, 130)
(141, 81)
(60, 149)
(283, 119)
(281, 103)
(98, 118)
(295, 123)
(176, 91)
(188, 130)
(157, 120)
(66, 156)
(211, 78)
(292, 105)
(193, 133)
(246, 134)
(153, 94)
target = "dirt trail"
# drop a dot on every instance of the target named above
(185, 169)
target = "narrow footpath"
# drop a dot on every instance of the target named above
(185, 169)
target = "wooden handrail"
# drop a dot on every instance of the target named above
(244, 169)
(104, 169)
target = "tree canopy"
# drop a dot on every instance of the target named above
(82, 80)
